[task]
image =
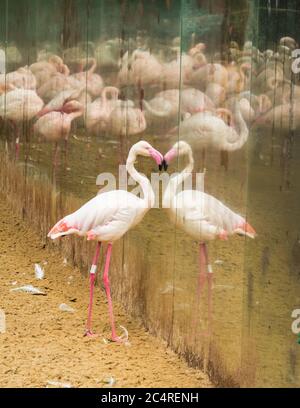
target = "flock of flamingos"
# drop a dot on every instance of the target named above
(209, 103)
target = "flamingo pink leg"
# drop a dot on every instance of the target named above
(209, 277)
(17, 147)
(205, 274)
(114, 336)
(202, 268)
(93, 270)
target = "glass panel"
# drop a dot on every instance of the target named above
(271, 285)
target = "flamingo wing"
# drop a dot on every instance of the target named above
(105, 217)
(121, 221)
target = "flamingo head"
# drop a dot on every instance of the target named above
(143, 148)
(180, 148)
(245, 229)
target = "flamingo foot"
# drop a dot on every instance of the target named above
(120, 339)
(90, 334)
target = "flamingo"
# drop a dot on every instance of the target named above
(21, 78)
(285, 117)
(92, 81)
(200, 215)
(166, 103)
(216, 93)
(205, 129)
(125, 120)
(251, 105)
(43, 70)
(237, 78)
(179, 70)
(106, 218)
(60, 99)
(140, 70)
(20, 105)
(56, 83)
(56, 125)
(98, 112)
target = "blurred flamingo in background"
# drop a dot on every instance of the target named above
(206, 129)
(167, 104)
(60, 99)
(56, 125)
(141, 69)
(107, 217)
(43, 70)
(200, 215)
(98, 112)
(92, 81)
(125, 120)
(21, 78)
(19, 105)
(58, 82)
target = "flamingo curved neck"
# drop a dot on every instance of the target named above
(149, 197)
(243, 131)
(176, 181)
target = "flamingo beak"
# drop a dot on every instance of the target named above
(157, 157)
(169, 156)
(246, 229)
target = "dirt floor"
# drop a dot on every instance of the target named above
(43, 346)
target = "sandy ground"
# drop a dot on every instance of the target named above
(42, 343)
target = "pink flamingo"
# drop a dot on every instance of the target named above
(106, 218)
(19, 105)
(56, 83)
(216, 93)
(237, 77)
(92, 81)
(60, 99)
(196, 72)
(167, 103)
(217, 74)
(200, 215)
(178, 70)
(21, 78)
(98, 112)
(140, 70)
(198, 48)
(43, 70)
(125, 120)
(205, 130)
(56, 125)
